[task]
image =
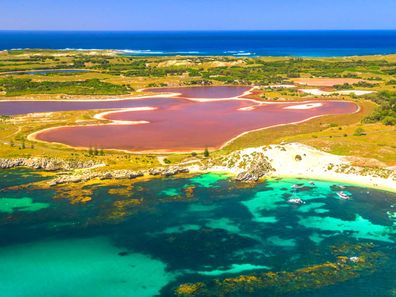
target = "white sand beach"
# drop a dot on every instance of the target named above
(302, 161)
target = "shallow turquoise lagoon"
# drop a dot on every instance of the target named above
(202, 229)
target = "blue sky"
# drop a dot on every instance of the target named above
(196, 14)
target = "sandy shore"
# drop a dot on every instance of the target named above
(314, 164)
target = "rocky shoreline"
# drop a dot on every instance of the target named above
(117, 174)
(47, 164)
(254, 170)
(248, 165)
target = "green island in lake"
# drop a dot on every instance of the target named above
(197, 163)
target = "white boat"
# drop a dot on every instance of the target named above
(343, 196)
(296, 201)
(354, 259)
(297, 186)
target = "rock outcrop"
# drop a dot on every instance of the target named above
(86, 176)
(249, 166)
(116, 174)
(168, 171)
(47, 164)
(258, 168)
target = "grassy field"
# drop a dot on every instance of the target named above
(110, 74)
(333, 134)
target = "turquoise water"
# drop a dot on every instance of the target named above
(199, 231)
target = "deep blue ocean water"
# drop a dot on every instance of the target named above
(233, 43)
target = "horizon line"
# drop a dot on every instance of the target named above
(194, 30)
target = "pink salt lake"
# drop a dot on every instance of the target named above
(176, 123)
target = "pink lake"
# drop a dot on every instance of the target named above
(179, 124)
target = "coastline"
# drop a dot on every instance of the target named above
(252, 165)
(315, 165)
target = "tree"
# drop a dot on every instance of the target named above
(206, 152)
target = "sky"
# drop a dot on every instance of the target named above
(153, 15)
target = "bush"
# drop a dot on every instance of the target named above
(359, 132)
(386, 112)
(389, 121)
(16, 86)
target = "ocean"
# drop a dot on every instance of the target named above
(189, 236)
(230, 43)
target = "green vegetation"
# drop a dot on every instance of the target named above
(359, 132)
(20, 86)
(206, 153)
(386, 112)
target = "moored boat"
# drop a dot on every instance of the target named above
(343, 195)
(296, 201)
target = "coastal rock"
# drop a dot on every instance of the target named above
(250, 166)
(255, 171)
(47, 164)
(116, 174)
(86, 176)
(168, 171)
